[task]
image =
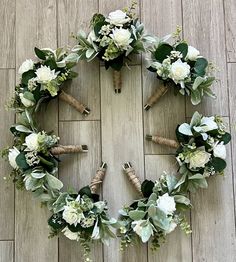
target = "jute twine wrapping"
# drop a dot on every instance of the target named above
(130, 172)
(161, 90)
(117, 81)
(163, 141)
(98, 178)
(74, 102)
(59, 150)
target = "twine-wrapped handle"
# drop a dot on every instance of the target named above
(161, 90)
(163, 141)
(60, 149)
(117, 81)
(98, 178)
(130, 172)
(74, 103)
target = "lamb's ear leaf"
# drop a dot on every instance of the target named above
(39, 53)
(147, 187)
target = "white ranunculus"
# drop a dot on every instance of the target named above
(219, 150)
(71, 235)
(31, 141)
(27, 65)
(199, 158)
(179, 71)
(192, 54)
(166, 204)
(45, 74)
(13, 153)
(172, 227)
(72, 216)
(121, 37)
(26, 102)
(117, 18)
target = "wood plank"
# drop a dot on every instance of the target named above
(204, 29)
(230, 23)
(31, 226)
(6, 251)
(77, 171)
(122, 134)
(7, 77)
(7, 39)
(213, 219)
(169, 111)
(178, 246)
(232, 99)
(74, 16)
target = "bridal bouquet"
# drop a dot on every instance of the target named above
(43, 80)
(156, 214)
(182, 67)
(113, 39)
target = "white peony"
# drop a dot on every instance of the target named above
(27, 65)
(117, 18)
(72, 216)
(45, 74)
(26, 102)
(179, 71)
(172, 227)
(219, 150)
(192, 54)
(199, 158)
(71, 235)
(13, 153)
(31, 141)
(166, 204)
(121, 37)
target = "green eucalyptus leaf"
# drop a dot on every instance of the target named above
(182, 48)
(85, 191)
(162, 52)
(21, 161)
(39, 53)
(26, 76)
(147, 187)
(56, 222)
(28, 95)
(226, 138)
(200, 66)
(218, 164)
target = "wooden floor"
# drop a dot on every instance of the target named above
(116, 127)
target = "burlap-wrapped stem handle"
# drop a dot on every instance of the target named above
(163, 141)
(98, 178)
(74, 102)
(161, 90)
(130, 172)
(69, 149)
(117, 81)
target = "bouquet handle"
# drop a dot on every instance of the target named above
(117, 81)
(60, 149)
(98, 178)
(163, 141)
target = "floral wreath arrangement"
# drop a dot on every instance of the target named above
(80, 215)
(201, 153)
(113, 39)
(182, 67)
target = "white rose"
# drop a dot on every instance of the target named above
(26, 66)
(179, 71)
(172, 227)
(199, 158)
(117, 18)
(71, 235)
(192, 54)
(121, 37)
(166, 204)
(45, 74)
(31, 141)
(219, 150)
(13, 153)
(26, 102)
(72, 216)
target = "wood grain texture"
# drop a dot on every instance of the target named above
(204, 29)
(74, 16)
(213, 219)
(169, 111)
(7, 39)
(7, 77)
(31, 226)
(6, 251)
(122, 141)
(178, 245)
(77, 171)
(230, 23)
